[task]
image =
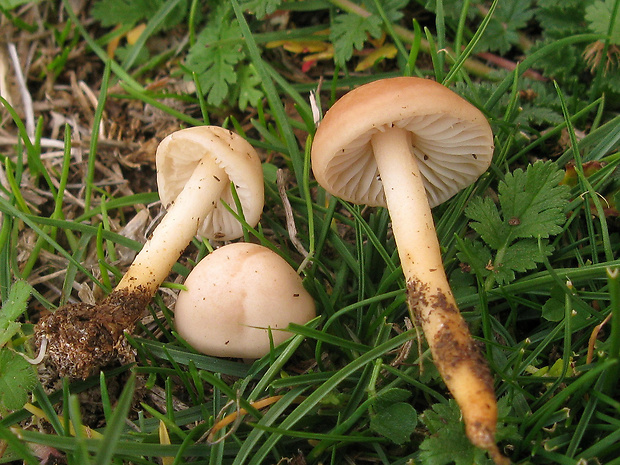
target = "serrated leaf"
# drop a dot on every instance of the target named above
(12, 308)
(17, 379)
(599, 14)
(395, 422)
(216, 53)
(448, 443)
(261, 8)
(391, 8)
(559, 62)
(612, 82)
(524, 255)
(533, 114)
(487, 221)
(476, 255)
(114, 12)
(532, 207)
(502, 32)
(349, 31)
(563, 5)
(248, 84)
(532, 204)
(521, 256)
(532, 201)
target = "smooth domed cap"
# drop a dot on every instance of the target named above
(450, 138)
(179, 154)
(233, 295)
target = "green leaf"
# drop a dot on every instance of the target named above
(533, 114)
(503, 29)
(396, 422)
(532, 206)
(261, 8)
(392, 417)
(12, 308)
(521, 256)
(248, 87)
(553, 310)
(559, 19)
(598, 15)
(391, 396)
(533, 201)
(538, 105)
(17, 379)
(392, 9)
(476, 255)
(350, 31)
(487, 221)
(562, 62)
(218, 49)
(447, 442)
(114, 12)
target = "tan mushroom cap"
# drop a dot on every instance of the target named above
(450, 138)
(179, 154)
(234, 294)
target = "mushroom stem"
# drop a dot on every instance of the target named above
(429, 296)
(177, 228)
(83, 338)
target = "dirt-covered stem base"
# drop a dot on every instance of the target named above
(82, 338)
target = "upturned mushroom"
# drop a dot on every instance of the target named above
(239, 300)
(409, 144)
(195, 169)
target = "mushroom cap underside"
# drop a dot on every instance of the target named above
(450, 138)
(234, 294)
(179, 154)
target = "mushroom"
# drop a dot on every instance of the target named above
(409, 144)
(236, 296)
(195, 169)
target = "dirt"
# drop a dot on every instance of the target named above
(82, 338)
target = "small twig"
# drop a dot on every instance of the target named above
(510, 65)
(288, 211)
(47, 277)
(45, 143)
(93, 101)
(23, 89)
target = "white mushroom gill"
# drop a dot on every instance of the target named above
(448, 151)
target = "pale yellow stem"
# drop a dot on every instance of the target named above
(198, 198)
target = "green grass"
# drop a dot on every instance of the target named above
(338, 374)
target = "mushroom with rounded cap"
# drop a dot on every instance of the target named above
(235, 296)
(195, 169)
(409, 144)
